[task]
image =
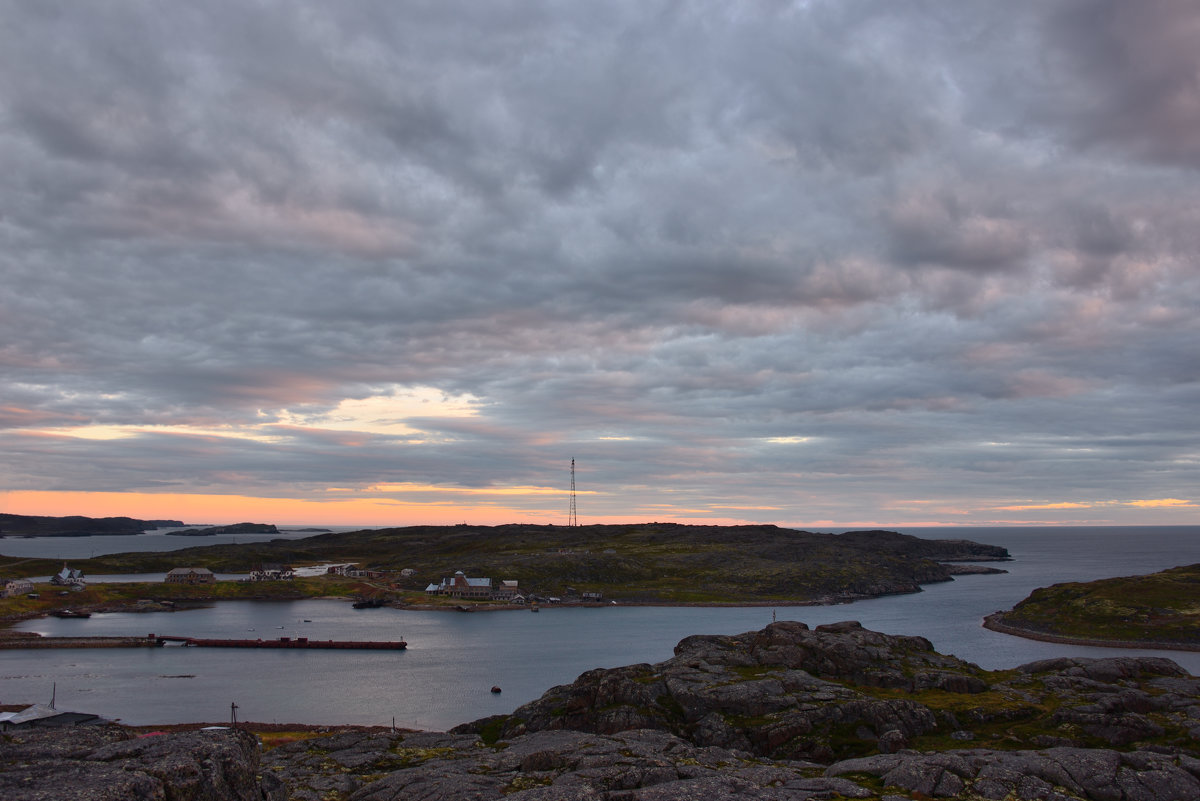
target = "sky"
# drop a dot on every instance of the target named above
(836, 263)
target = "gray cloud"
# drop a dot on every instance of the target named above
(843, 261)
(1133, 74)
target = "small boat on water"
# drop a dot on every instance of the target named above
(70, 613)
(533, 607)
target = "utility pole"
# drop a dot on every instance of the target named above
(572, 515)
(233, 708)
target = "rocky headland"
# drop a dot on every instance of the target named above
(12, 525)
(785, 713)
(1159, 610)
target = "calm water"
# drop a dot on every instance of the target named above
(453, 660)
(157, 540)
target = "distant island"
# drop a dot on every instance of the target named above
(1159, 610)
(77, 526)
(236, 528)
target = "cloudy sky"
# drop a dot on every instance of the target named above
(822, 264)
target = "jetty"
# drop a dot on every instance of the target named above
(281, 642)
(158, 640)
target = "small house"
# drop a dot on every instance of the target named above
(505, 591)
(11, 588)
(272, 571)
(41, 715)
(68, 577)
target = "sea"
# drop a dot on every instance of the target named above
(454, 659)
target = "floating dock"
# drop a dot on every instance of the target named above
(282, 642)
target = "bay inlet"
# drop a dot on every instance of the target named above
(453, 660)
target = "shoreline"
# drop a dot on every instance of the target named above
(995, 622)
(17, 640)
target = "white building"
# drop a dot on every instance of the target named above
(68, 577)
(269, 571)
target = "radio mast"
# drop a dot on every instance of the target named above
(572, 515)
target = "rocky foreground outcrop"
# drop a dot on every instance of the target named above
(782, 713)
(108, 763)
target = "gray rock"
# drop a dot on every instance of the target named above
(1093, 774)
(101, 763)
(782, 714)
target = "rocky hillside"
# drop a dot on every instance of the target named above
(786, 714)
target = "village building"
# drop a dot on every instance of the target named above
(190, 575)
(505, 591)
(592, 597)
(349, 570)
(41, 715)
(68, 577)
(11, 588)
(459, 586)
(272, 571)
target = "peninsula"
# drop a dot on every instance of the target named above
(1159, 610)
(665, 563)
(76, 526)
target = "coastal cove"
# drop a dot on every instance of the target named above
(445, 676)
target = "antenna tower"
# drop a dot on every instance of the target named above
(572, 515)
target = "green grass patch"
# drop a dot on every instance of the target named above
(1161, 607)
(663, 562)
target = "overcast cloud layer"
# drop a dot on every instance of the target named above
(834, 262)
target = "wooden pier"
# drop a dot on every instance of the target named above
(282, 642)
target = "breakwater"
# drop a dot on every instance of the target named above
(283, 642)
(156, 641)
(13, 643)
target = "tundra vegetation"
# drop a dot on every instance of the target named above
(1159, 608)
(647, 563)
